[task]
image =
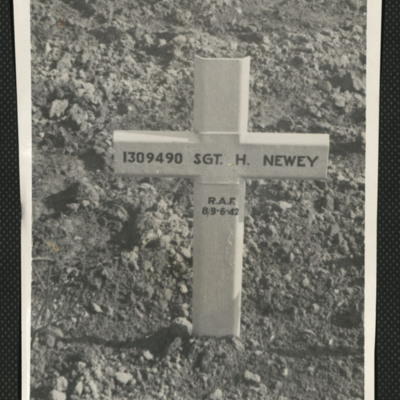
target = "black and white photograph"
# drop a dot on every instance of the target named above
(199, 187)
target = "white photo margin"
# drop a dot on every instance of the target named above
(23, 75)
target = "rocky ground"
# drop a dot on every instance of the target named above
(112, 263)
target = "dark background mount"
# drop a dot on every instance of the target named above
(10, 293)
(388, 301)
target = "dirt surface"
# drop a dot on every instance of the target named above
(112, 262)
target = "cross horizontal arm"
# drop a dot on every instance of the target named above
(222, 157)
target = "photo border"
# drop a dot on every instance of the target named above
(23, 74)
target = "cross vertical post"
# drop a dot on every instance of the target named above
(220, 113)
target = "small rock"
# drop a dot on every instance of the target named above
(148, 40)
(314, 111)
(204, 359)
(62, 384)
(266, 40)
(183, 288)
(50, 339)
(288, 277)
(283, 205)
(109, 310)
(305, 282)
(253, 343)
(180, 40)
(186, 252)
(315, 307)
(147, 265)
(344, 249)
(308, 48)
(78, 388)
(58, 108)
(345, 183)
(98, 373)
(94, 390)
(147, 355)
(51, 335)
(233, 44)
(358, 84)
(285, 371)
(216, 395)
(162, 42)
(139, 376)
(181, 327)
(56, 395)
(77, 115)
(95, 308)
(272, 230)
(343, 61)
(167, 294)
(251, 378)
(300, 38)
(47, 48)
(130, 259)
(123, 377)
(354, 4)
(165, 241)
(339, 100)
(328, 202)
(339, 238)
(183, 310)
(325, 85)
(173, 346)
(237, 343)
(65, 62)
(84, 57)
(334, 230)
(81, 366)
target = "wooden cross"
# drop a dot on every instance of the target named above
(219, 155)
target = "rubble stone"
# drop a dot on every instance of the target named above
(181, 327)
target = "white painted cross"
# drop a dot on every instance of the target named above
(219, 155)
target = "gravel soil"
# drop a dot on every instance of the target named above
(112, 257)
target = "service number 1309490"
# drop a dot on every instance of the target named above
(149, 157)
